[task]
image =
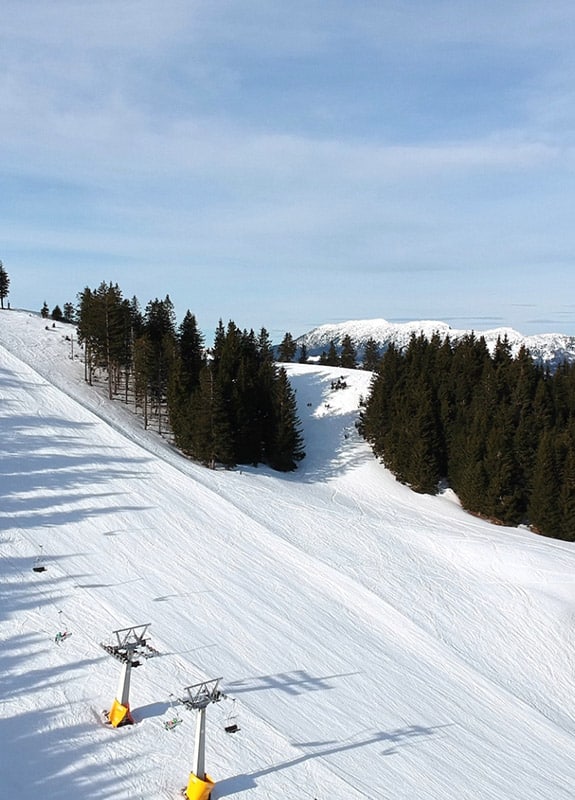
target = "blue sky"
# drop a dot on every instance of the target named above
(291, 164)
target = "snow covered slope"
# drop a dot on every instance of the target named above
(548, 348)
(378, 643)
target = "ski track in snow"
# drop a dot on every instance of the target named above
(378, 643)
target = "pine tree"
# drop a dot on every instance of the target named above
(424, 459)
(303, 356)
(348, 356)
(287, 448)
(4, 285)
(544, 505)
(45, 311)
(159, 329)
(108, 317)
(88, 330)
(567, 485)
(191, 347)
(69, 312)
(143, 365)
(57, 314)
(265, 347)
(371, 356)
(212, 440)
(287, 349)
(331, 358)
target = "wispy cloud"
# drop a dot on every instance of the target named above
(404, 144)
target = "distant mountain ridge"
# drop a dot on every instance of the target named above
(546, 348)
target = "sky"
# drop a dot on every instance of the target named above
(292, 164)
(373, 642)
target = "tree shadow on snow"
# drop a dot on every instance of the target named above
(46, 459)
(23, 590)
(399, 737)
(151, 710)
(43, 755)
(295, 682)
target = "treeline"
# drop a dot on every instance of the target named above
(345, 355)
(226, 405)
(500, 430)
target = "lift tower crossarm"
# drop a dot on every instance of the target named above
(200, 695)
(130, 644)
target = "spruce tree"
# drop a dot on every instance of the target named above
(287, 448)
(143, 365)
(212, 438)
(544, 504)
(4, 285)
(371, 356)
(348, 355)
(567, 485)
(331, 358)
(69, 312)
(287, 349)
(265, 347)
(191, 348)
(159, 329)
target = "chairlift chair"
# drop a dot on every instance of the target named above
(174, 721)
(39, 562)
(231, 725)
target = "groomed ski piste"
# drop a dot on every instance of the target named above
(374, 643)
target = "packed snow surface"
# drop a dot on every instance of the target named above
(373, 642)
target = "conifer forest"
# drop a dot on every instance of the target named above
(225, 405)
(499, 430)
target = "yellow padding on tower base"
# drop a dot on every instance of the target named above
(120, 715)
(199, 789)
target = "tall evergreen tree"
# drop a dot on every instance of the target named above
(331, 358)
(191, 347)
(287, 348)
(544, 503)
(4, 285)
(348, 355)
(287, 448)
(69, 312)
(159, 329)
(143, 365)
(567, 485)
(265, 347)
(371, 356)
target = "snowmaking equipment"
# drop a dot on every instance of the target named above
(130, 648)
(197, 698)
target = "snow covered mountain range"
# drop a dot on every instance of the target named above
(546, 348)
